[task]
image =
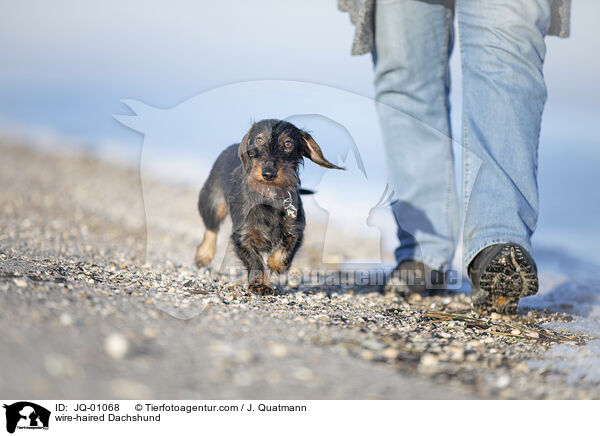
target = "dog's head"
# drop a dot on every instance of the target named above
(272, 151)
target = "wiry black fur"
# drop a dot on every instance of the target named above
(261, 225)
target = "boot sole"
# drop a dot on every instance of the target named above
(508, 277)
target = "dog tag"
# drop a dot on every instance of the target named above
(290, 209)
(292, 212)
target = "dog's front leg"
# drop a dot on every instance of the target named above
(258, 278)
(281, 257)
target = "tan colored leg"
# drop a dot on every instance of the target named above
(277, 260)
(206, 250)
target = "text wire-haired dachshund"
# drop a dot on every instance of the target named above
(257, 183)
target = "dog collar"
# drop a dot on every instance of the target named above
(269, 191)
(276, 193)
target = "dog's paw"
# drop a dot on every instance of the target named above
(201, 262)
(206, 250)
(203, 256)
(261, 289)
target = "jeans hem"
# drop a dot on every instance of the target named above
(436, 264)
(468, 258)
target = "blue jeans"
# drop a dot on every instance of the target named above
(502, 47)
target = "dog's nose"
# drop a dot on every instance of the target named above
(269, 174)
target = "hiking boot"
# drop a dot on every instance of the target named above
(501, 274)
(409, 277)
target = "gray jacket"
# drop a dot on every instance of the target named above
(362, 15)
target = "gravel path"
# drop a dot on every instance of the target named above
(98, 300)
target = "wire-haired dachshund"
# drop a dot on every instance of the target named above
(257, 183)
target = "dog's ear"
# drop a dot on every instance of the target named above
(243, 151)
(311, 150)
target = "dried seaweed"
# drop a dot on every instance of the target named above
(529, 332)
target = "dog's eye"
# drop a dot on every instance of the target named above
(287, 145)
(259, 141)
(253, 152)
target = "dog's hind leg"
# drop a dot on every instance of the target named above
(213, 210)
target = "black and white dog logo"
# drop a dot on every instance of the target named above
(26, 415)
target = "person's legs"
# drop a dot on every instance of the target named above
(413, 41)
(503, 49)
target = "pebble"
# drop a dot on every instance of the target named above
(243, 356)
(502, 382)
(65, 320)
(20, 283)
(278, 350)
(390, 353)
(273, 377)
(304, 374)
(124, 389)
(457, 354)
(116, 346)
(367, 355)
(58, 365)
(472, 357)
(522, 367)
(429, 360)
(373, 344)
(151, 332)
